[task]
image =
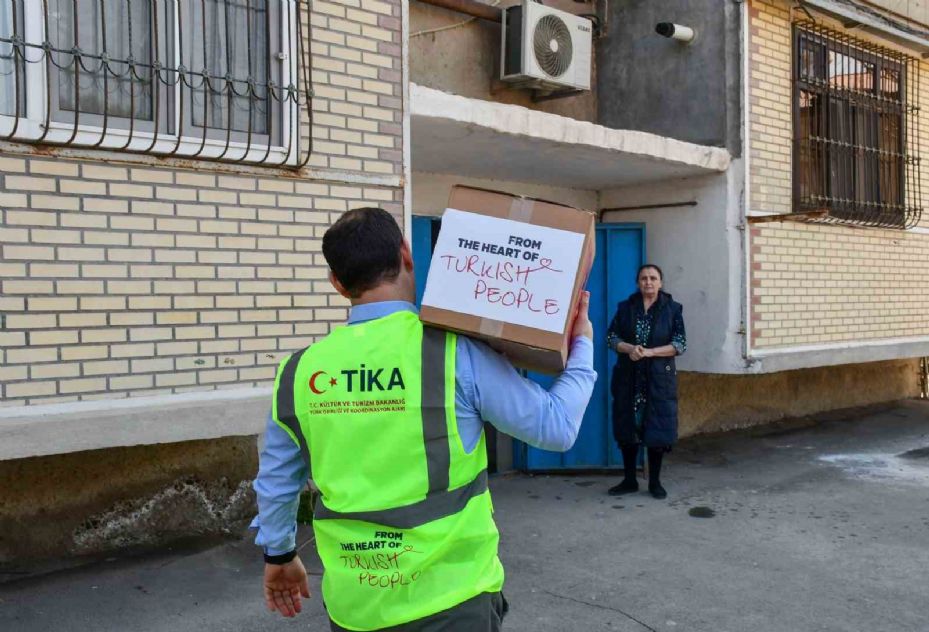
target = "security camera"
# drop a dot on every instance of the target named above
(677, 32)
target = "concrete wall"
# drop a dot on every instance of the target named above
(465, 59)
(651, 83)
(916, 11)
(712, 403)
(718, 403)
(95, 501)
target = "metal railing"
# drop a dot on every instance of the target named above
(856, 130)
(225, 80)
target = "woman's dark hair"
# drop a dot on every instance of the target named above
(363, 249)
(646, 266)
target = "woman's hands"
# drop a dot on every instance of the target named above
(638, 352)
(635, 352)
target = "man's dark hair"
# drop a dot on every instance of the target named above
(363, 249)
(647, 266)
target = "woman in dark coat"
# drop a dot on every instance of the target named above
(647, 333)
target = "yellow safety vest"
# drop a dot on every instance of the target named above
(404, 525)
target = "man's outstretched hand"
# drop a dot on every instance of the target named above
(582, 324)
(284, 585)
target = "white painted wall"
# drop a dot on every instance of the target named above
(700, 250)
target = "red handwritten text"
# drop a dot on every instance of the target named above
(519, 299)
(496, 270)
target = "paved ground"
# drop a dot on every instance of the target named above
(810, 527)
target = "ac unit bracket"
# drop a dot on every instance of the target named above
(539, 96)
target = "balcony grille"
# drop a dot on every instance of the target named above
(856, 130)
(226, 80)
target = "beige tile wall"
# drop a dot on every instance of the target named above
(814, 284)
(769, 98)
(128, 277)
(357, 111)
(819, 284)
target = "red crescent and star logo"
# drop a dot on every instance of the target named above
(315, 388)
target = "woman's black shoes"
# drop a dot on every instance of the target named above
(631, 486)
(626, 487)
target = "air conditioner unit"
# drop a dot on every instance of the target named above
(545, 48)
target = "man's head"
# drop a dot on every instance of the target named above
(365, 251)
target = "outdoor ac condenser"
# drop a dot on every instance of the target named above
(545, 48)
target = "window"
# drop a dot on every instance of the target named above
(854, 131)
(103, 62)
(216, 79)
(12, 72)
(232, 39)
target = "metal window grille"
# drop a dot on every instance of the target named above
(224, 80)
(856, 130)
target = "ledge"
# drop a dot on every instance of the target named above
(873, 21)
(779, 359)
(482, 139)
(75, 427)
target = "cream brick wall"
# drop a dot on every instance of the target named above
(357, 111)
(124, 276)
(769, 98)
(815, 283)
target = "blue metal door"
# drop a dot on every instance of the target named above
(620, 251)
(425, 232)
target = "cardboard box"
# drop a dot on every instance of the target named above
(509, 270)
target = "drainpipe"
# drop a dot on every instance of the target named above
(469, 7)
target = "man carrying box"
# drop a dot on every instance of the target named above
(386, 416)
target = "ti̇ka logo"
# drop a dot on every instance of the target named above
(362, 379)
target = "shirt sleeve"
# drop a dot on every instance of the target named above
(489, 388)
(612, 333)
(282, 475)
(678, 333)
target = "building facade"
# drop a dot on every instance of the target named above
(797, 244)
(167, 171)
(862, 285)
(164, 190)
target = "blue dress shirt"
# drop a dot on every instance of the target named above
(487, 387)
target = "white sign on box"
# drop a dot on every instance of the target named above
(504, 270)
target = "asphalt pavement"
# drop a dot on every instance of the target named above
(812, 525)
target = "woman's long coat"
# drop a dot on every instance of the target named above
(659, 427)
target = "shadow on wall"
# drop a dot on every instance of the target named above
(711, 403)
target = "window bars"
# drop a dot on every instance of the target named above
(856, 130)
(225, 80)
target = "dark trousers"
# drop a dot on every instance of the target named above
(483, 613)
(655, 457)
